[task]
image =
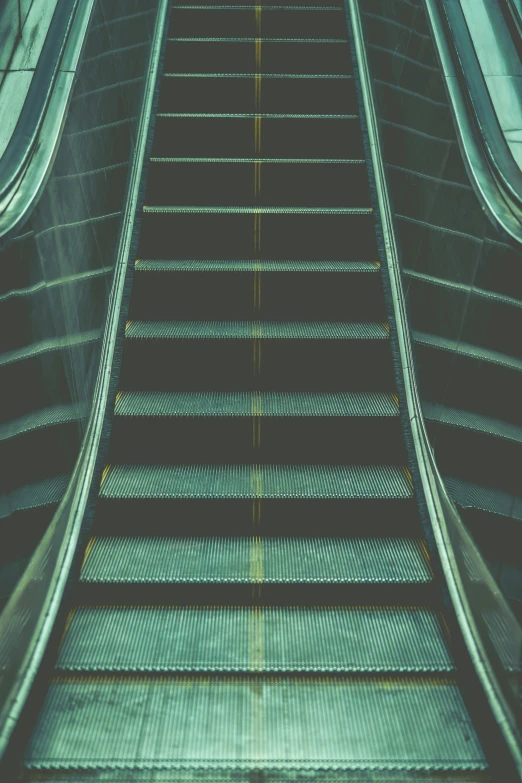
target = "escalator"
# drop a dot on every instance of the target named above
(257, 598)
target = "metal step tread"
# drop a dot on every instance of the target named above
(474, 422)
(256, 210)
(259, 159)
(196, 265)
(249, 330)
(268, 75)
(201, 403)
(256, 481)
(229, 723)
(259, 639)
(243, 560)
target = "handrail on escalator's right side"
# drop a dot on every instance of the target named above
(485, 620)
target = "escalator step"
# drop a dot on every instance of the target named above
(285, 183)
(285, 292)
(235, 235)
(136, 403)
(256, 481)
(232, 94)
(213, 724)
(225, 427)
(238, 55)
(195, 265)
(227, 639)
(248, 330)
(256, 561)
(282, 137)
(278, 22)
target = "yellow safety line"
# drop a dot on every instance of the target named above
(87, 552)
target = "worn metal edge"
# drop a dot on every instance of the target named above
(60, 542)
(442, 513)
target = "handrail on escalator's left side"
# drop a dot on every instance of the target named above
(28, 619)
(477, 604)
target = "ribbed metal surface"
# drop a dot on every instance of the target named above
(255, 404)
(246, 330)
(177, 639)
(161, 265)
(257, 481)
(256, 560)
(220, 723)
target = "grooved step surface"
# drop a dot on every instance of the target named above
(136, 403)
(256, 560)
(321, 639)
(256, 481)
(194, 265)
(221, 724)
(248, 330)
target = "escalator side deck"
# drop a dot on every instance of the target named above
(257, 597)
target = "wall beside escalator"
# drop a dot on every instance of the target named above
(464, 289)
(55, 278)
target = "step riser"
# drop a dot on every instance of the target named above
(312, 365)
(256, 439)
(240, 57)
(246, 517)
(299, 237)
(229, 95)
(253, 184)
(213, 594)
(280, 137)
(246, 24)
(245, 295)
